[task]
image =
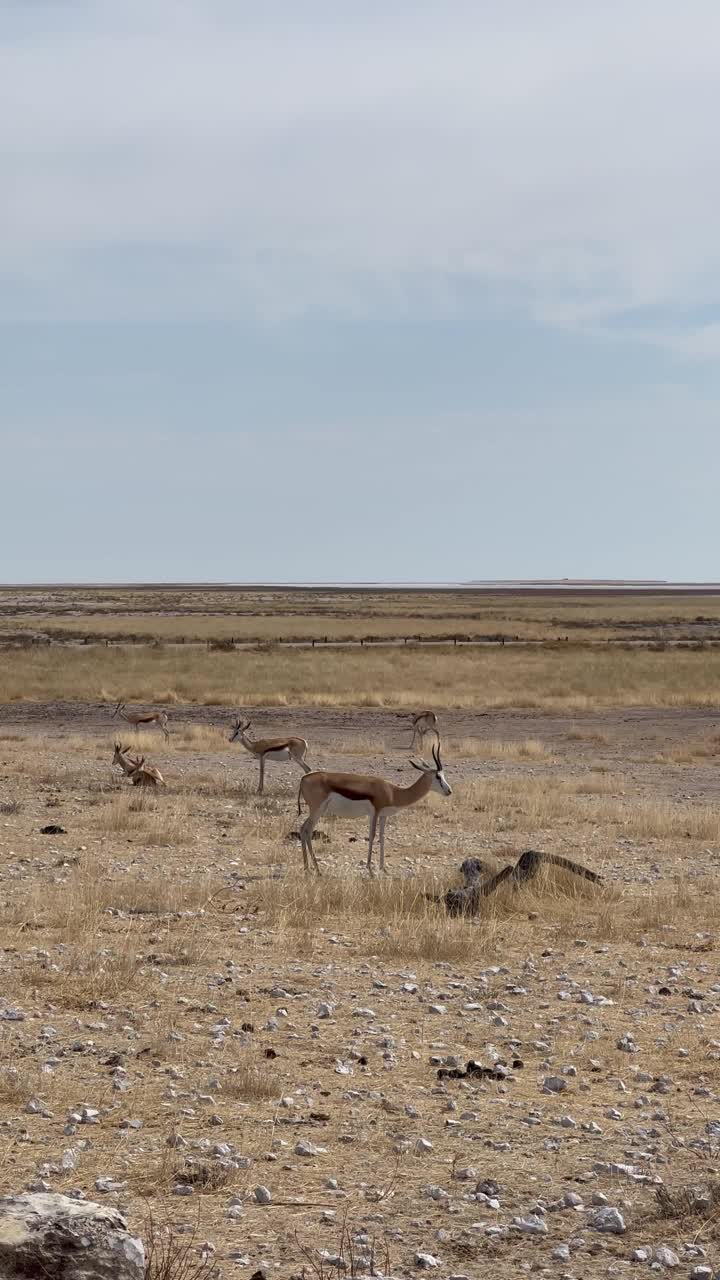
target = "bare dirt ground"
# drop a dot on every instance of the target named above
(185, 1017)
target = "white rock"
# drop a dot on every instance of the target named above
(426, 1260)
(308, 1149)
(49, 1234)
(436, 1193)
(572, 1200)
(107, 1185)
(554, 1084)
(532, 1225)
(608, 1219)
(263, 1195)
(666, 1257)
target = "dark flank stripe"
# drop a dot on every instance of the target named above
(348, 794)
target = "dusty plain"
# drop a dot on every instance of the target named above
(186, 1017)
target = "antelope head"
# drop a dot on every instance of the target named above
(240, 728)
(439, 781)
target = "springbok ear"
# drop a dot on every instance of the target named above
(420, 767)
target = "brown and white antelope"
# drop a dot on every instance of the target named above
(270, 749)
(139, 773)
(143, 719)
(353, 795)
(423, 723)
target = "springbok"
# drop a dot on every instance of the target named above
(353, 795)
(140, 719)
(139, 773)
(270, 749)
(423, 723)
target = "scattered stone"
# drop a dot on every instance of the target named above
(533, 1225)
(107, 1185)
(308, 1150)
(608, 1219)
(554, 1084)
(665, 1257)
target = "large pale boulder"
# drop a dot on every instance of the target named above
(57, 1238)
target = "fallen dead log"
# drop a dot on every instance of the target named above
(467, 900)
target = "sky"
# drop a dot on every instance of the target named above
(359, 290)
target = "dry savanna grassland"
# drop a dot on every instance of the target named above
(244, 1058)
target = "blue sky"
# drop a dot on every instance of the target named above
(366, 290)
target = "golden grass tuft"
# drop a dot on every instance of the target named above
(475, 748)
(153, 817)
(251, 1080)
(363, 744)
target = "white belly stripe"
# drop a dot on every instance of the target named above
(340, 807)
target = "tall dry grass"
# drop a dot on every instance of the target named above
(597, 799)
(478, 749)
(402, 920)
(575, 679)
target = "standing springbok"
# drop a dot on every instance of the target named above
(139, 719)
(139, 773)
(423, 723)
(270, 749)
(353, 795)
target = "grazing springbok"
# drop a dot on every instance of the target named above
(143, 719)
(270, 749)
(352, 795)
(423, 723)
(139, 773)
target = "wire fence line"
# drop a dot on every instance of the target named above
(263, 643)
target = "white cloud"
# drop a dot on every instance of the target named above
(297, 152)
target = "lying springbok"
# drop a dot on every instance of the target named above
(352, 795)
(143, 719)
(139, 773)
(270, 749)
